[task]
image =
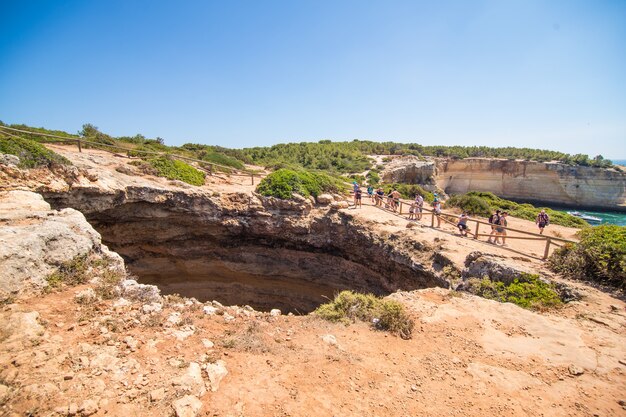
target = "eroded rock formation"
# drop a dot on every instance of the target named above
(550, 182)
(247, 249)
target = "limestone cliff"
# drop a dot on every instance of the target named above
(540, 182)
(550, 182)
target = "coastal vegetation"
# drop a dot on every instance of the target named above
(600, 256)
(409, 191)
(349, 306)
(341, 157)
(284, 182)
(32, 154)
(484, 203)
(172, 169)
(528, 291)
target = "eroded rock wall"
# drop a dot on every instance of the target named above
(552, 183)
(248, 249)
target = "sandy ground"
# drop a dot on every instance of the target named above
(468, 356)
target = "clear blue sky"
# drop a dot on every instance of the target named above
(546, 74)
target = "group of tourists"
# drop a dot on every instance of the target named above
(497, 220)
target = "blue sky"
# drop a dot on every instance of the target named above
(542, 74)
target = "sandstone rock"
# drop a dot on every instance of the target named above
(188, 406)
(575, 370)
(174, 318)
(35, 240)
(10, 160)
(191, 381)
(411, 225)
(336, 205)
(88, 407)
(157, 394)
(4, 393)
(207, 343)
(275, 312)
(21, 329)
(410, 170)
(325, 199)
(86, 296)
(496, 268)
(549, 182)
(330, 339)
(131, 343)
(210, 310)
(216, 372)
(132, 290)
(152, 308)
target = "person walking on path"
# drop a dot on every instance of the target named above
(437, 211)
(501, 228)
(542, 221)
(419, 202)
(395, 199)
(494, 220)
(357, 198)
(412, 211)
(380, 194)
(462, 224)
(370, 193)
(355, 188)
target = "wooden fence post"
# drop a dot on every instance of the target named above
(400, 207)
(432, 219)
(80, 149)
(545, 253)
(477, 226)
(252, 178)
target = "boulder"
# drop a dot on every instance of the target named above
(35, 240)
(496, 268)
(216, 372)
(132, 290)
(324, 199)
(336, 205)
(188, 406)
(9, 160)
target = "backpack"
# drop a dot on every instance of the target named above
(494, 219)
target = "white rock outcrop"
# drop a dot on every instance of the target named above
(35, 240)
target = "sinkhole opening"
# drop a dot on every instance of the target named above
(263, 278)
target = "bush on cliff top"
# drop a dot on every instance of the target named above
(388, 315)
(483, 204)
(286, 182)
(177, 170)
(600, 256)
(31, 153)
(527, 292)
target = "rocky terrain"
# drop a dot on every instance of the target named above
(98, 348)
(540, 182)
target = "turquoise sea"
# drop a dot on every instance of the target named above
(608, 217)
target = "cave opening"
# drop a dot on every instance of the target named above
(293, 281)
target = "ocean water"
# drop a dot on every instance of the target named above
(608, 217)
(619, 161)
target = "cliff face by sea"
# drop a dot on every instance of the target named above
(550, 182)
(540, 182)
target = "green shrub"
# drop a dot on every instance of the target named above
(388, 315)
(599, 256)
(529, 291)
(484, 203)
(286, 182)
(31, 153)
(177, 170)
(373, 178)
(222, 159)
(409, 191)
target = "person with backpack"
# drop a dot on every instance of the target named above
(542, 220)
(501, 227)
(494, 220)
